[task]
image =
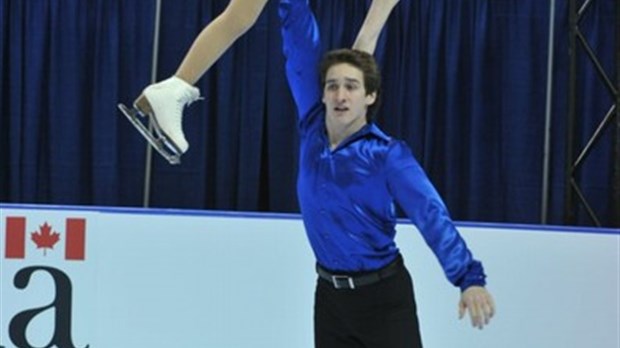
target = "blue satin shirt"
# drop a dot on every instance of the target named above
(347, 195)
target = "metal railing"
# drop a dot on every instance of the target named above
(574, 196)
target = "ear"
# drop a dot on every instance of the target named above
(371, 98)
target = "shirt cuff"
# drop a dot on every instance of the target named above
(474, 277)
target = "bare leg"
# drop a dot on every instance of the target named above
(218, 36)
(373, 24)
(164, 101)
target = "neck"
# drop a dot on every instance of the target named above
(337, 133)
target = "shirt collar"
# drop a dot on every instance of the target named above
(369, 129)
(376, 131)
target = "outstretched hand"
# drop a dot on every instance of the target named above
(479, 303)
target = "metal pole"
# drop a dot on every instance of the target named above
(148, 166)
(547, 141)
(615, 214)
(569, 196)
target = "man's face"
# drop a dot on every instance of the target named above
(344, 96)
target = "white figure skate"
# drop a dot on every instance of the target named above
(162, 103)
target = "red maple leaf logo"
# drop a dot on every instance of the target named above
(45, 238)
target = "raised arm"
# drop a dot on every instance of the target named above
(302, 49)
(373, 25)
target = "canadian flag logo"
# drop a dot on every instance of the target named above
(45, 237)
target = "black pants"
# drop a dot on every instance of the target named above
(380, 315)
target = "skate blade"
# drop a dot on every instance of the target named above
(158, 140)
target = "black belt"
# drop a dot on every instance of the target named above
(352, 281)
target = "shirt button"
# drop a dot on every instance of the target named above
(323, 212)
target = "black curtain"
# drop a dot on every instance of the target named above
(464, 84)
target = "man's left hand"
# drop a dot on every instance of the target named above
(479, 303)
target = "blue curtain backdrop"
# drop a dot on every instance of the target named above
(464, 84)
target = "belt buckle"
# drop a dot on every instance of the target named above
(337, 279)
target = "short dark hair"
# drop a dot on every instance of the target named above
(361, 60)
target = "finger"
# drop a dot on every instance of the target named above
(462, 308)
(474, 314)
(488, 312)
(486, 315)
(483, 311)
(487, 308)
(490, 303)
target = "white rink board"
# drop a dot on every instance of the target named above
(163, 278)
